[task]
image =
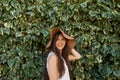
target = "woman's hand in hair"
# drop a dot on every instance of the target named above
(74, 55)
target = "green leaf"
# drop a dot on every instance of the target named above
(30, 13)
(5, 70)
(44, 32)
(106, 48)
(5, 2)
(118, 5)
(112, 38)
(8, 7)
(92, 13)
(31, 7)
(115, 46)
(39, 7)
(108, 2)
(117, 73)
(8, 24)
(64, 18)
(85, 36)
(113, 52)
(11, 73)
(96, 45)
(84, 4)
(95, 50)
(3, 58)
(18, 34)
(81, 39)
(100, 0)
(72, 7)
(24, 66)
(17, 62)
(104, 15)
(7, 31)
(15, 13)
(94, 72)
(55, 8)
(30, 31)
(101, 37)
(99, 58)
(16, 78)
(19, 51)
(11, 62)
(15, 4)
(106, 71)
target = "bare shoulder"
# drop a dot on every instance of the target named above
(52, 58)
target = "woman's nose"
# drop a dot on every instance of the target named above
(60, 41)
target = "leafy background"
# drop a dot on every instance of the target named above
(24, 33)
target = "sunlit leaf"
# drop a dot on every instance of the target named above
(93, 13)
(15, 4)
(5, 2)
(18, 34)
(44, 32)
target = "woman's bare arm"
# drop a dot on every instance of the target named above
(74, 55)
(52, 67)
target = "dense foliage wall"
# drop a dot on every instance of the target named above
(24, 33)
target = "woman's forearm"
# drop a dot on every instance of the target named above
(74, 55)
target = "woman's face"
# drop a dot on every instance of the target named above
(60, 43)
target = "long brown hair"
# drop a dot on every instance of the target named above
(65, 52)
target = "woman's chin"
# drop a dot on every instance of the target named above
(60, 48)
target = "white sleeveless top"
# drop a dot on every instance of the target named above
(66, 74)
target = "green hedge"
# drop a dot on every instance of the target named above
(24, 33)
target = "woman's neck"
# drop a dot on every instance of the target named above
(60, 52)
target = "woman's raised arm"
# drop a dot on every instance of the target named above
(74, 55)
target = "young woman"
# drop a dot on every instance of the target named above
(61, 52)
